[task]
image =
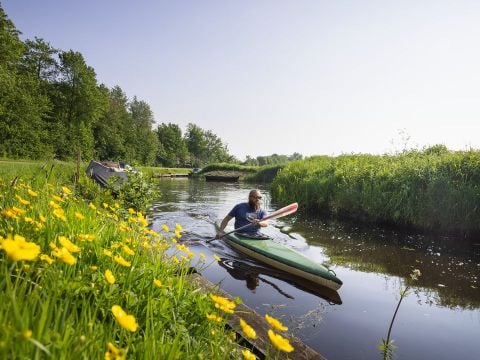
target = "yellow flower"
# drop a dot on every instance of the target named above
(79, 216)
(66, 190)
(275, 323)
(280, 342)
(178, 227)
(121, 261)
(247, 355)
(107, 253)
(213, 317)
(88, 237)
(248, 330)
(127, 250)
(27, 334)
(157, 283)
(165, 228)
(42, 218)
(22, 201)
(202, 255)
(126, 321)
(216, 257)
(131, 211)
(68, 244)
(57, 198)
(17, 248)
(91, 206)
(47, 259)
(109, 277)
(178, 234)
(64, 255)
(59, 213)
(9, 213)
(223, 303)
(115, 354)
(94, 267)
(105, 205)
(32, 193)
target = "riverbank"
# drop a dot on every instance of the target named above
(91, 277)
(434, 190)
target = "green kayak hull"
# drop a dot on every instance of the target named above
(284, 258)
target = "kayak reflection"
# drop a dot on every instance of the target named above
(252, 274)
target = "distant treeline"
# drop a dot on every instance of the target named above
(51, 106)
(434, 189)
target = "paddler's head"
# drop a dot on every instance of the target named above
(255, 199)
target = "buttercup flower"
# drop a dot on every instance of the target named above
(47, 259)
(17, 248)
(280, 342)
(213, 317)
(157, 283)
(114, 353)
(109, 277)
(247, 355)
(32, 193)
(126, 321)
(68, 244)
(121, 261)
(275, 323)
(165, 228)
(79, 216)
(64, 255)
(248, 330)
(223, 303)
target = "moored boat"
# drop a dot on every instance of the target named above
(284, 258)
(102, 172)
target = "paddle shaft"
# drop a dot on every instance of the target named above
(289, 209)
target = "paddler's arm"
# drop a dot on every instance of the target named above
(223, 225)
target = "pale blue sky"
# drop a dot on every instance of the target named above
(314, 77)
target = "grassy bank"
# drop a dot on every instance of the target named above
(82, 274)
(435, 189)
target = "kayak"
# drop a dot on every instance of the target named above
(284, 258)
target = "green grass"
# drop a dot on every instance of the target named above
(430, 190)
(59, 309)
(71, 254)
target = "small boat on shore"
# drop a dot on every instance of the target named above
(284, 258)
(101, 172)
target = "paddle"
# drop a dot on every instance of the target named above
(287, 210)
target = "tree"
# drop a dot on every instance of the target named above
(111, 131)
(145, 142)
(173, 149)
(22, 105)
(78, 104)
(196, 144)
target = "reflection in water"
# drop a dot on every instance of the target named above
(449, 269)
(374, 265)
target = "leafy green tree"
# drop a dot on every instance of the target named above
(22, 105)
(196, 144)
(78, 104)
(173, 149)
(145, 142)
(111, 130)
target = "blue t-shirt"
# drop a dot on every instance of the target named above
(242, 213)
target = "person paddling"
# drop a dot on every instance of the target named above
(246, 213)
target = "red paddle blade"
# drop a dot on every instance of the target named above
(289, 209)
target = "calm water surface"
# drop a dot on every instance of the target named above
(440, 318)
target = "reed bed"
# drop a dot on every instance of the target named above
(433, 190)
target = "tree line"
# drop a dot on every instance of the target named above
(52, 106)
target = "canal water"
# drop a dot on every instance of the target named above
(439, 319)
